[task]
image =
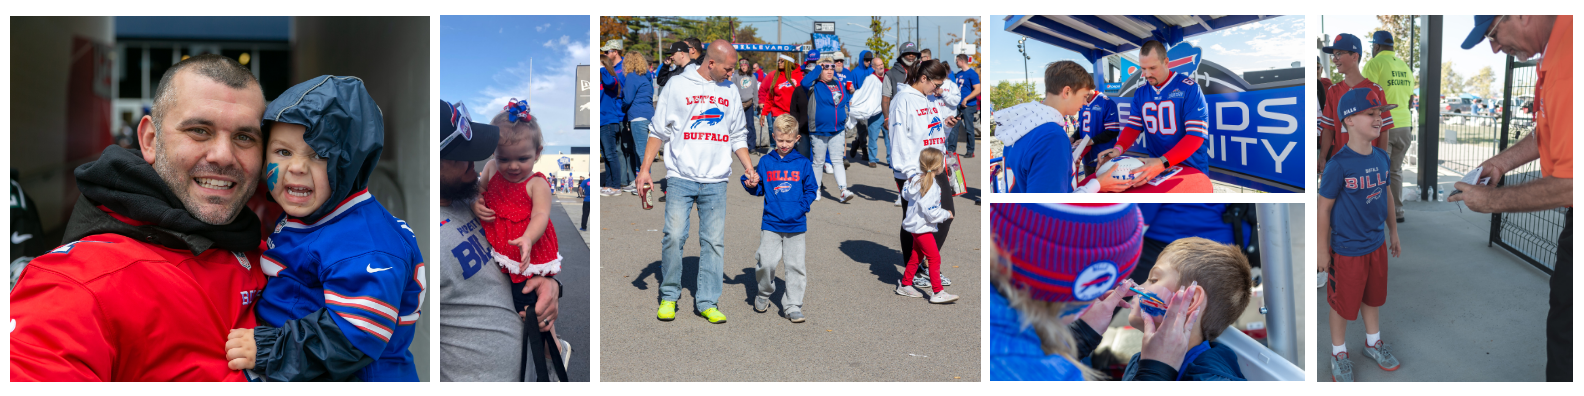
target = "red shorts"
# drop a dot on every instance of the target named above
(1356, 279)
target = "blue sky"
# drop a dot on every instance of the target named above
(1271, 43)
(795, 29)
(1454, 29)
(484, 62)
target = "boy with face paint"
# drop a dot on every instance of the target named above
(346, 278)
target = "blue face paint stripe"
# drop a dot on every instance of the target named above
(273, 175)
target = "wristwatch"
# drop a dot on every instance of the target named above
(1165, 163)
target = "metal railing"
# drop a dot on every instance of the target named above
(1531, 236)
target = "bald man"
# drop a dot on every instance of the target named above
(701, 124)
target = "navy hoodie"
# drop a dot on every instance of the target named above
(787, 183)
(1215, 363)
(828, 115)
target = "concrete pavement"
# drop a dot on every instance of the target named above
(858, 329)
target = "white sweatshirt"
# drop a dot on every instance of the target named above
(701, 124)
(924, 211)
(916, 123)
(948, 98)
(866, 101)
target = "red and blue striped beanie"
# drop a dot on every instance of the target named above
(1067, 252)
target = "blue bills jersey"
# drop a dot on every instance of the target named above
(1167, 113)
(1100, 122)
(361, 263)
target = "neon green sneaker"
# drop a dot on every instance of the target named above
(713, 315)
(667, 310)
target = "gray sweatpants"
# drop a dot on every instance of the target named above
(775, 247)
(1399, 139)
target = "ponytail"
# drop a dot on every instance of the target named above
(930, 161)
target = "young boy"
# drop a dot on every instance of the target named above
(1353, 251)
(1218, 277)
(346, 278)
(787, 181)
(1039, 152)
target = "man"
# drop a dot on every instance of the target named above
(893, 78)
(481, 332)
(699, 122)
(1523, 37)
(163, 261)
(865, 106)
(799, 107)
(1345, 52)
(924, 55)
(695, 51)
(1171, 111)
(1385, 68)
(968, 82)
(677, 61)
(758, 72)
(611, 116)
(748, 90)
(877, 121)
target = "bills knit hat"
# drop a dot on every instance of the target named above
(1067, 252)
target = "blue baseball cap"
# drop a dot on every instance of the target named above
(1360, 99)
(1345, 42)
(1381, 37)
(1481, 25)
(813, 56)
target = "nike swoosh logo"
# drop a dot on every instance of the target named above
(19, 238)
(371, 268)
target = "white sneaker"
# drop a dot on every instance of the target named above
(828, 169)
(817, 197)
(942, 298)
(907, 291)
(846, 196)
(898, 202)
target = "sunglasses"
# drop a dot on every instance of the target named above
(463, 124)
(1491, 33)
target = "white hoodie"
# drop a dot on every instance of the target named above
(697, 149)
(924, 211)
(912, 117)
(948, 98)
(866, 101)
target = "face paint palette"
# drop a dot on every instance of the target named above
(1150, 303)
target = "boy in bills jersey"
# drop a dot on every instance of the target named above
(1100, 123)
(789, 187)
(346, 277)
(1171, 112)
(1355, 206)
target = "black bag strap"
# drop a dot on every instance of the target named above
(538, 342)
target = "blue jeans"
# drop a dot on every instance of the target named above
(640, 136)
(877, 128)
(803, 148)
(615, 175)
(966, 126)
(753, 135)
(681, 195)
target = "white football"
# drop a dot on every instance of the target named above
(1124, 168)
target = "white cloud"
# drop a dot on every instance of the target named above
(549, 88)
(542, 28)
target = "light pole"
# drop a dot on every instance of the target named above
(1024, 50)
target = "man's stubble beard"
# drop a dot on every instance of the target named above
(167, 172)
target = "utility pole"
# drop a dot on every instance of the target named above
(778, 30)
(899, 40)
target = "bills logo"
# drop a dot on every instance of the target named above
(1094, 280)
(935, 125)
(783, 187)
(1184, 58)
(1367, 181)
(935, 130)
(1373, 195)
(712, 116)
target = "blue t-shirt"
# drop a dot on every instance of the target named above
(1358, 184)
(1167, 113)
(965, 80)
(1040, 161)
(586, 192)
(1099, 119)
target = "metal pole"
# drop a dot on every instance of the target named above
(1276, 258)
(1429, 106)
(1507, 108)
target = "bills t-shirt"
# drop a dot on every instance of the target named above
(1358, 183)
(966, 79)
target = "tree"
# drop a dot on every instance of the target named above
(1480, 83)
(1009, 93)
(877, 42)
(1451, 82)
(973, 24)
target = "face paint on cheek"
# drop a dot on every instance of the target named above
(272, 175)
(1152, 304)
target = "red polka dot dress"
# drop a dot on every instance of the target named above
(513, 208)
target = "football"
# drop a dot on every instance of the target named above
(1124, 168)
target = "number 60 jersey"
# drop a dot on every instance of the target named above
(1168, 113)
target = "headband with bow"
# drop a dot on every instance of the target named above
(517, 110)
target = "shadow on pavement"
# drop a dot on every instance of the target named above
(689, 277)
(884, 262)
(873, 193)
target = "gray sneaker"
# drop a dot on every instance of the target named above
(923, 282)
(795, 316)
(942, 298)
(1341, 368)
(1382, 355)
(761, 304)
(907, 291)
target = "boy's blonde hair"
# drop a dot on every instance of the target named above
(1043, 316)
(514, 132)
(1223, 272)
(786, 123)
(929, 161)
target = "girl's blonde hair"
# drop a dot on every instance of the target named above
(513, 132)
(930, 161)
(786, 123)
(1043, 316)
(635, 62)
